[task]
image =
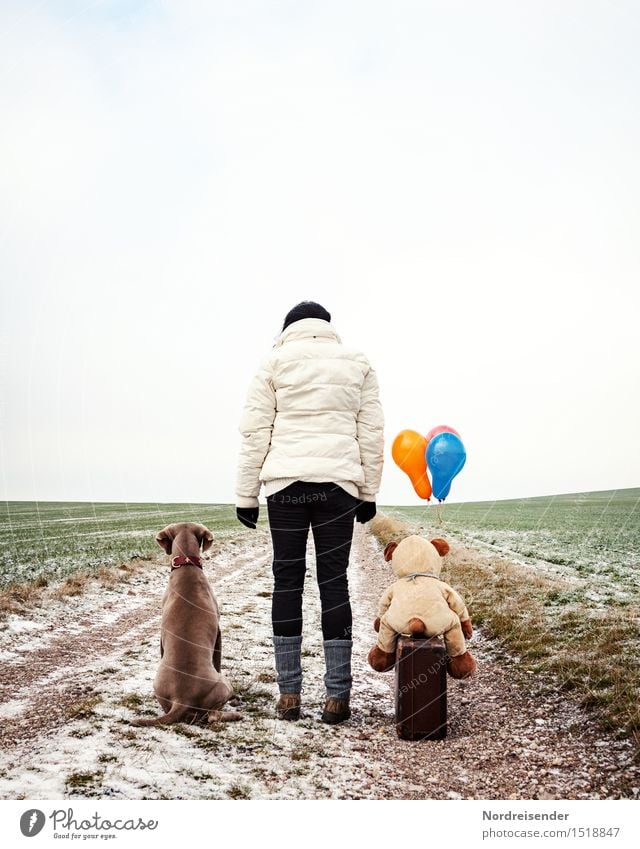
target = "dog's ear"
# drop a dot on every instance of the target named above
(389, 549)
(205, 537)
(440, 545)
(165, 538)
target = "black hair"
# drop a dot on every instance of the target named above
(306, 309)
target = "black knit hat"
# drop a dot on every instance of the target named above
(306, 309)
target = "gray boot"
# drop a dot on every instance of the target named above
(337, 679)
(288, 663)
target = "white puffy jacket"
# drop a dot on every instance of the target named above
(312, 413)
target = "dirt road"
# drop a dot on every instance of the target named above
(74, 672)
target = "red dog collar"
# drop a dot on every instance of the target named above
(182, 560)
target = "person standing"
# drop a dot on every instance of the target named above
(312, 433)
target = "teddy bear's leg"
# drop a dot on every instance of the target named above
(382, 656)
(460, 663)
(381, 661)
(462, 666)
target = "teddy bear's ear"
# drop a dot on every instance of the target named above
(389, 549)
(440, 545)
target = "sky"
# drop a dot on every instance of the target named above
(458, 183)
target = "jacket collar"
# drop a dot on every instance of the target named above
(307, 328)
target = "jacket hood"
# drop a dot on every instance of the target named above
(415, 554)
(308, 328)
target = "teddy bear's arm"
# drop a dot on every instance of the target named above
(385, 601)
(455, 602)
(386, 637)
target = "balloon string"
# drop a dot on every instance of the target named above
(439, 513)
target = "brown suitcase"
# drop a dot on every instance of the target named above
(421, 688)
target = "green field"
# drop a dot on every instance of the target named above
(592, 536)
(54, 539)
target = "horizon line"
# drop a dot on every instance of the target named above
(427, 504)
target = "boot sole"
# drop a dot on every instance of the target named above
(289, 715)
(335, 718)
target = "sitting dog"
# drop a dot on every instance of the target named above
(188, 683)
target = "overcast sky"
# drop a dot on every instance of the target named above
(457, 182)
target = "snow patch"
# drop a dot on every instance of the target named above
(12, 708)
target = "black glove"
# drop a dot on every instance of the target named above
(248, 516)
(365, 510)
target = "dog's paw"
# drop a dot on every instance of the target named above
(224, 716)
(231, 716)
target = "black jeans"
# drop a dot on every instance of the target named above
(329, 510)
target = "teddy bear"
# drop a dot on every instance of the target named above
(420, 604)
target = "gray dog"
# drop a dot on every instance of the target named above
(188, 683)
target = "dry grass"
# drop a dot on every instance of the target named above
(16, 597)
(131, 701)
(84, 708)
(266, 677)
(386, 529)
(19, 597)
(74, 585)
(84, 780)
(549, 624)
(238, 791)
(108, 576)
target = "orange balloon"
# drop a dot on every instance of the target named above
(409, 451)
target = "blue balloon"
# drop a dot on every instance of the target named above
(445, 457)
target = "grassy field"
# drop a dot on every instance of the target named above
(593, 536)
(54, 539)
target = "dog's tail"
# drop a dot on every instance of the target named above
(175, 715)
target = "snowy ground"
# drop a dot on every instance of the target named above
(76, 671)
